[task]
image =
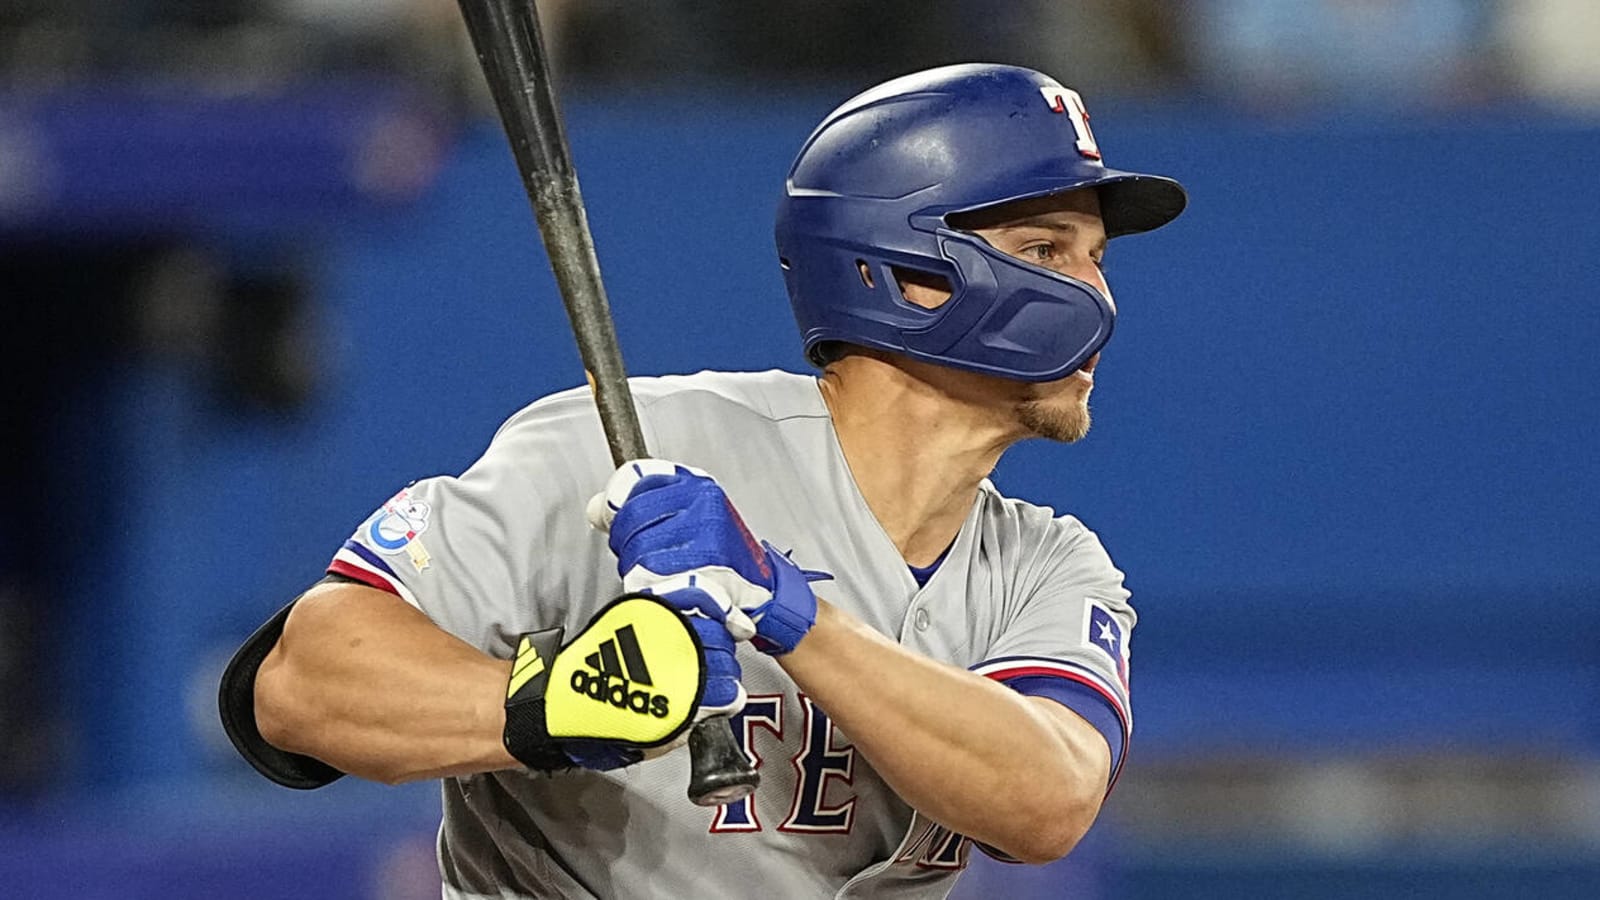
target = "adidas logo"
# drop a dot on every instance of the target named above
(619, 665)
(606, 660)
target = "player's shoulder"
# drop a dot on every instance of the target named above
(1037, 532)
(572, 408)
(679, 413)
(1042, 547)
(773, 394)
(1025, 518)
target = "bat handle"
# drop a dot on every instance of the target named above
(719, 770)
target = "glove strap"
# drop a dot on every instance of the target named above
(527, 737)
(790, 613)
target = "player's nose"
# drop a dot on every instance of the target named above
(1110, 300)
(1093, 276)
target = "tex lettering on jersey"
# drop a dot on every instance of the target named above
(764, 712)
(824, 766)
(930, 845)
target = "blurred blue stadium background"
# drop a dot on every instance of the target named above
(1344, 441)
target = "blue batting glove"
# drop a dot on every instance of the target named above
(600, 756)
(724, 694)
(676, 534)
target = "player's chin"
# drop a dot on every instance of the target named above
(1055, 419)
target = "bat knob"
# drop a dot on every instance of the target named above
(719, 770)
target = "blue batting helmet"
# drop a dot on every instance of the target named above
(875, 185)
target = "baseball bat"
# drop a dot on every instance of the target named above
(505, 34)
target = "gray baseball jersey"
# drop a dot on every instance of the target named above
(1022, 596)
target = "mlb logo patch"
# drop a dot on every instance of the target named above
(1102, 630)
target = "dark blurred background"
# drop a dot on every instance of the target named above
(263, 263)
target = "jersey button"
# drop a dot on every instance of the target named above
(920, 620)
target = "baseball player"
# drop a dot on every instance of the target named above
(917, 664)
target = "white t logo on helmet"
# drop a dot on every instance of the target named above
(1066, 100)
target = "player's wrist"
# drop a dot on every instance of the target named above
(782, 622)
(527, 733)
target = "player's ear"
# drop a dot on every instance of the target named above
(925, 289)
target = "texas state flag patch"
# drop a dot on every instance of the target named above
(1102, 630)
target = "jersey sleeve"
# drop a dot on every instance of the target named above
(504, 547)
(1067, 638)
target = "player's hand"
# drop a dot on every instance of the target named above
(626, 688)
(724, 694)
(676, 535)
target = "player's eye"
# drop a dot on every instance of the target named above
(1038, 253)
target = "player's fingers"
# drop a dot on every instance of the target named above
(653, 522)
(739, 625)
(731, 593)
(683, 590)
(643, 580)
(599, 513)
(738, 593)
(733, 701)
(625, 480)
(723, 694)
(602, 508)
(716, 592)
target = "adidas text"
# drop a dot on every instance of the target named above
(617, 692)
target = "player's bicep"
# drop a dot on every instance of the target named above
(1086, 741)
(340, 632)
(1075, 687)
(337, 617)
(279, 667)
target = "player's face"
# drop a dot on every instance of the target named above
(1063, 233)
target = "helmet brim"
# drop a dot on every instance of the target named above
(1130, 202)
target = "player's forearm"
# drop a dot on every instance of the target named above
(367, 684)
(972, 754)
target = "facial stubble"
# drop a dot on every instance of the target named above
(1050, 419)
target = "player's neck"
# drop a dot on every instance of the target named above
(916, 447)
